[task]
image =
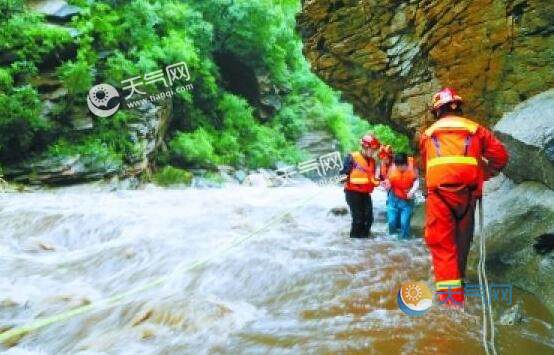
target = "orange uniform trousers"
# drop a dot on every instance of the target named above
(448, 234)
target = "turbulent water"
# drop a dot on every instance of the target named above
(298, 286)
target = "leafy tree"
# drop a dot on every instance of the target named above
(121, 39)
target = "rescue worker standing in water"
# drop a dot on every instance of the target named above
(457, 155)
(359, 168)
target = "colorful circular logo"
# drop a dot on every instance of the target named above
(414, 298)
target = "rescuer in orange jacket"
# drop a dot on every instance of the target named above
(455, 153)
(385, 161)
(402, 183)
(359, 168)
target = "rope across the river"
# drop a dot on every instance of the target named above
(11, 336)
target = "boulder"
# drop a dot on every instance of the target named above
(512, 316)
(528, 133)
(339, 211)
(417, 223)
(260, 179)
(61, 170)
(516, 216)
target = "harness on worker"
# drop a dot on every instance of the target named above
(455, 187)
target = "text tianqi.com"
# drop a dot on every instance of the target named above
(104, 100)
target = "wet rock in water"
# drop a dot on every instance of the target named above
(129, 252)
(130, 183)
(528, 133)
(544, 243)
(380, 215)
(6, 187)
(417, 223)
(240, 175)
(515, 214)
(258, 180)
(226, 174)
(61, 170)
(142, 316)
(147, 333)
(46, 246)
(200, 182)
(339, 211)
(512, 316)
(34, 245)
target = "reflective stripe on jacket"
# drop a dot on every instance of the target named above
(362, 176)
(452, 152)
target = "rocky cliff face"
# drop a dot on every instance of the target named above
(389, 56)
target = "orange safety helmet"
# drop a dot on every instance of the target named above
(444, 97)
(385, 152)
(369, 140)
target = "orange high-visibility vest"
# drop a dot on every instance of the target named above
(402, 181)
(362, 175)
(452, 154)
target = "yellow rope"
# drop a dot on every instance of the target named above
(13, 335)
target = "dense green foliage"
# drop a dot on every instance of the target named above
(169, 175)
(210, 124)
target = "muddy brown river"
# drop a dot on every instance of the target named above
(299, 286)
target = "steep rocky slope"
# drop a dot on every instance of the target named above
(389, 56)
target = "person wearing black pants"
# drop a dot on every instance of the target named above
(361, 209)
(359, 168)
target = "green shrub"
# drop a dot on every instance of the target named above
(93, 150)
(172, 176)
(290, 122)
(29, 38)
(20, 122)
(399, 143)
(228, 149)
(76, 77)
(8, 8)
(6, 80)
(194, 148)
(22, 70)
